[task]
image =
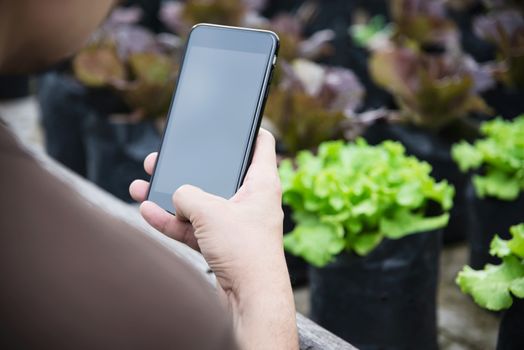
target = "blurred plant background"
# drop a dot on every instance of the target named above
(441, 81)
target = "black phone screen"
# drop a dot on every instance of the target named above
(214, 111)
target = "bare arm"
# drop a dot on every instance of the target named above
(35, 33)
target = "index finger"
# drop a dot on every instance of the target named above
(149, 163)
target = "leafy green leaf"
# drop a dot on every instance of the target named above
(517, 287)
(286, 172)
(365, 243)
(364, 34)
(410, 195)
(499, 247)
(516, 244)
(466, 156)
(491, 287)
(498, 158)
(317, 243)
(496, 184)
(404, 223)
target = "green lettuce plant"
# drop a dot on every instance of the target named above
(495, 286)
(499, 158)
(350, 196)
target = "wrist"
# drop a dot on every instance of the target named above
(263, 307)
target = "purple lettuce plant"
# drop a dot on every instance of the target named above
(423, 23)
(504, 27)
(504, 4)
(180, 16)
(312, 103)
(293, 43)
(131, 61)
(431, 90)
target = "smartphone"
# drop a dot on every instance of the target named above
(215, 112)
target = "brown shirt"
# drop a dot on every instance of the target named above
(73, 277)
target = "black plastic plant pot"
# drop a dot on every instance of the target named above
(436, 150)
(81, 135)
(386, 300)
(507, 102)
(14, 86)
(511, 330)
(489, 216)
(115, 152)
(64, 112)
(296, 266)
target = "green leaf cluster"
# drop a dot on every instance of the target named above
(363, 34)
(499, 157)
(350, 196)
(495, 286)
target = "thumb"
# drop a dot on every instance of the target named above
(191, 203)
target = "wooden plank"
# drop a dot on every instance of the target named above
(312, 336)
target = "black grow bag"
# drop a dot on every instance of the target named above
(64, 111)
(386, 300)
(436, 150)
(115, 152)
(511, 330)
(81, 135)
(490, 216)
(296, 266)
(505, 101)
(13, 87)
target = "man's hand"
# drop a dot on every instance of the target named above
(241, 239)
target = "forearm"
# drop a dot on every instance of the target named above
(35, 33)
(264, 309)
